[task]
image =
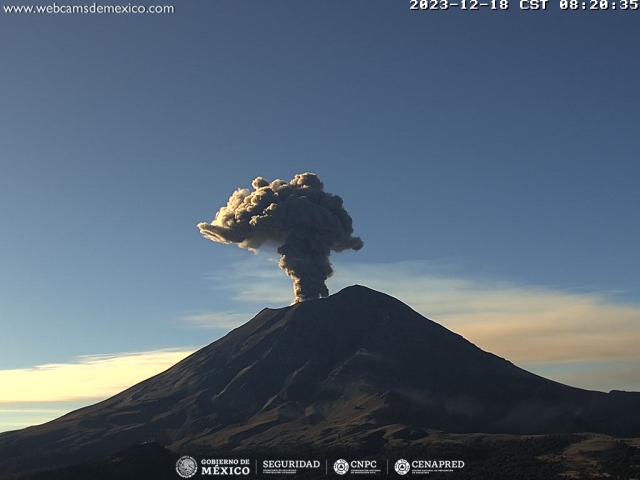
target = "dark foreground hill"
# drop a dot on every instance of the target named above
(358, 369)
(485, 457)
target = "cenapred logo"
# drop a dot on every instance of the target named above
(341, 466)
(402, 467)
(186, 466)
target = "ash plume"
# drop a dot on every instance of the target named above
(299, 218)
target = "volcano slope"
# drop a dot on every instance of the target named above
(356, 368)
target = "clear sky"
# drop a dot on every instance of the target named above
(489, 160)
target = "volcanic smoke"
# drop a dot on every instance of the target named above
(303, 221)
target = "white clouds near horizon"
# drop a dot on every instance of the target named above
(88, 378)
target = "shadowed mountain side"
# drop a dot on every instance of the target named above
(358, 367)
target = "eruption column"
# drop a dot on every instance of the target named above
(303, 221)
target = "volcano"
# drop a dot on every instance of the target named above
(356, 368)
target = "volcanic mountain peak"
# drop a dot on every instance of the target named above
(358, 367)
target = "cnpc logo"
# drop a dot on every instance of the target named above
(342, 466)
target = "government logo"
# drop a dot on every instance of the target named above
(186, 466)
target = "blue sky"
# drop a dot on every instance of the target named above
(489, 160)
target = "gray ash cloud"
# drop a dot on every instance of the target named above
(303, 221)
